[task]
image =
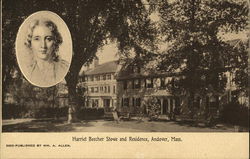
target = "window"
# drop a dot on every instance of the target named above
(125, 84)
(136, 102)
(113, 89)
(91, 78)
(197, 102)
(96, 90)
(106, 103)
(136, 69)
(177, 102)
(125, 102)
(109, 77)
(163, 84)
(137, 83)
(92, 89)
(80, 80)
(108, 89)
(149, 83)
(97, 78)
(86, 79)
(101, 89)
(104, 77)
(105, 89)
(95, 103)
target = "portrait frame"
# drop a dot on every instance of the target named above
(24, 55)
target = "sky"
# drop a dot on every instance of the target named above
(107, 53)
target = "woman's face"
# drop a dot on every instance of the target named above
(42, 42)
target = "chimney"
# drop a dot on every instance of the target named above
(96, 62)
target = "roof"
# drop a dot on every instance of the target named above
(108, 67)
(126, 72)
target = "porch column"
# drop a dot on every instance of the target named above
(101, 102)
(173, 105)
(169, 107)
(161, 105)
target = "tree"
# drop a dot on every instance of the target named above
(91, 23)
(197, 53)
(240, 70)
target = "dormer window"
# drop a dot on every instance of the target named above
(104, 77)
(108, 76)
(137, 83)
(136, 69)
(97, 77)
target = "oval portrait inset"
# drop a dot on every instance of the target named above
(44, 49)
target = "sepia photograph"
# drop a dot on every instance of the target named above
(127, 66)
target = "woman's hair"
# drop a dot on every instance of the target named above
(52, 26)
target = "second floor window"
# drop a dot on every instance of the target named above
(125, 102)
(96, 89)
(109, 77)
(97, 78)
(163, 83)
(149, 83)
(92, 89)
(125, 85)
(108, 89)
(136, 83)
(91, 78)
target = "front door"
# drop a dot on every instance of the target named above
(165, 106)
(107, 105)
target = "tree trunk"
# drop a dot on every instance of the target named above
(72, 116)
(191, 105)
(71, 80)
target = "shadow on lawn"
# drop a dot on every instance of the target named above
(45, 125)
(191, 123)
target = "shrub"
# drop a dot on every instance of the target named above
(49, 112)
(235, 113)
(11, 111)
(91, 113)
(154, 108)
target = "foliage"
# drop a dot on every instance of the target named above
(197, 51)
(29, 99)
(241, 69)
(236, 114)
(50, 112)
(91, 113)
(154, 107)
(91, 23)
